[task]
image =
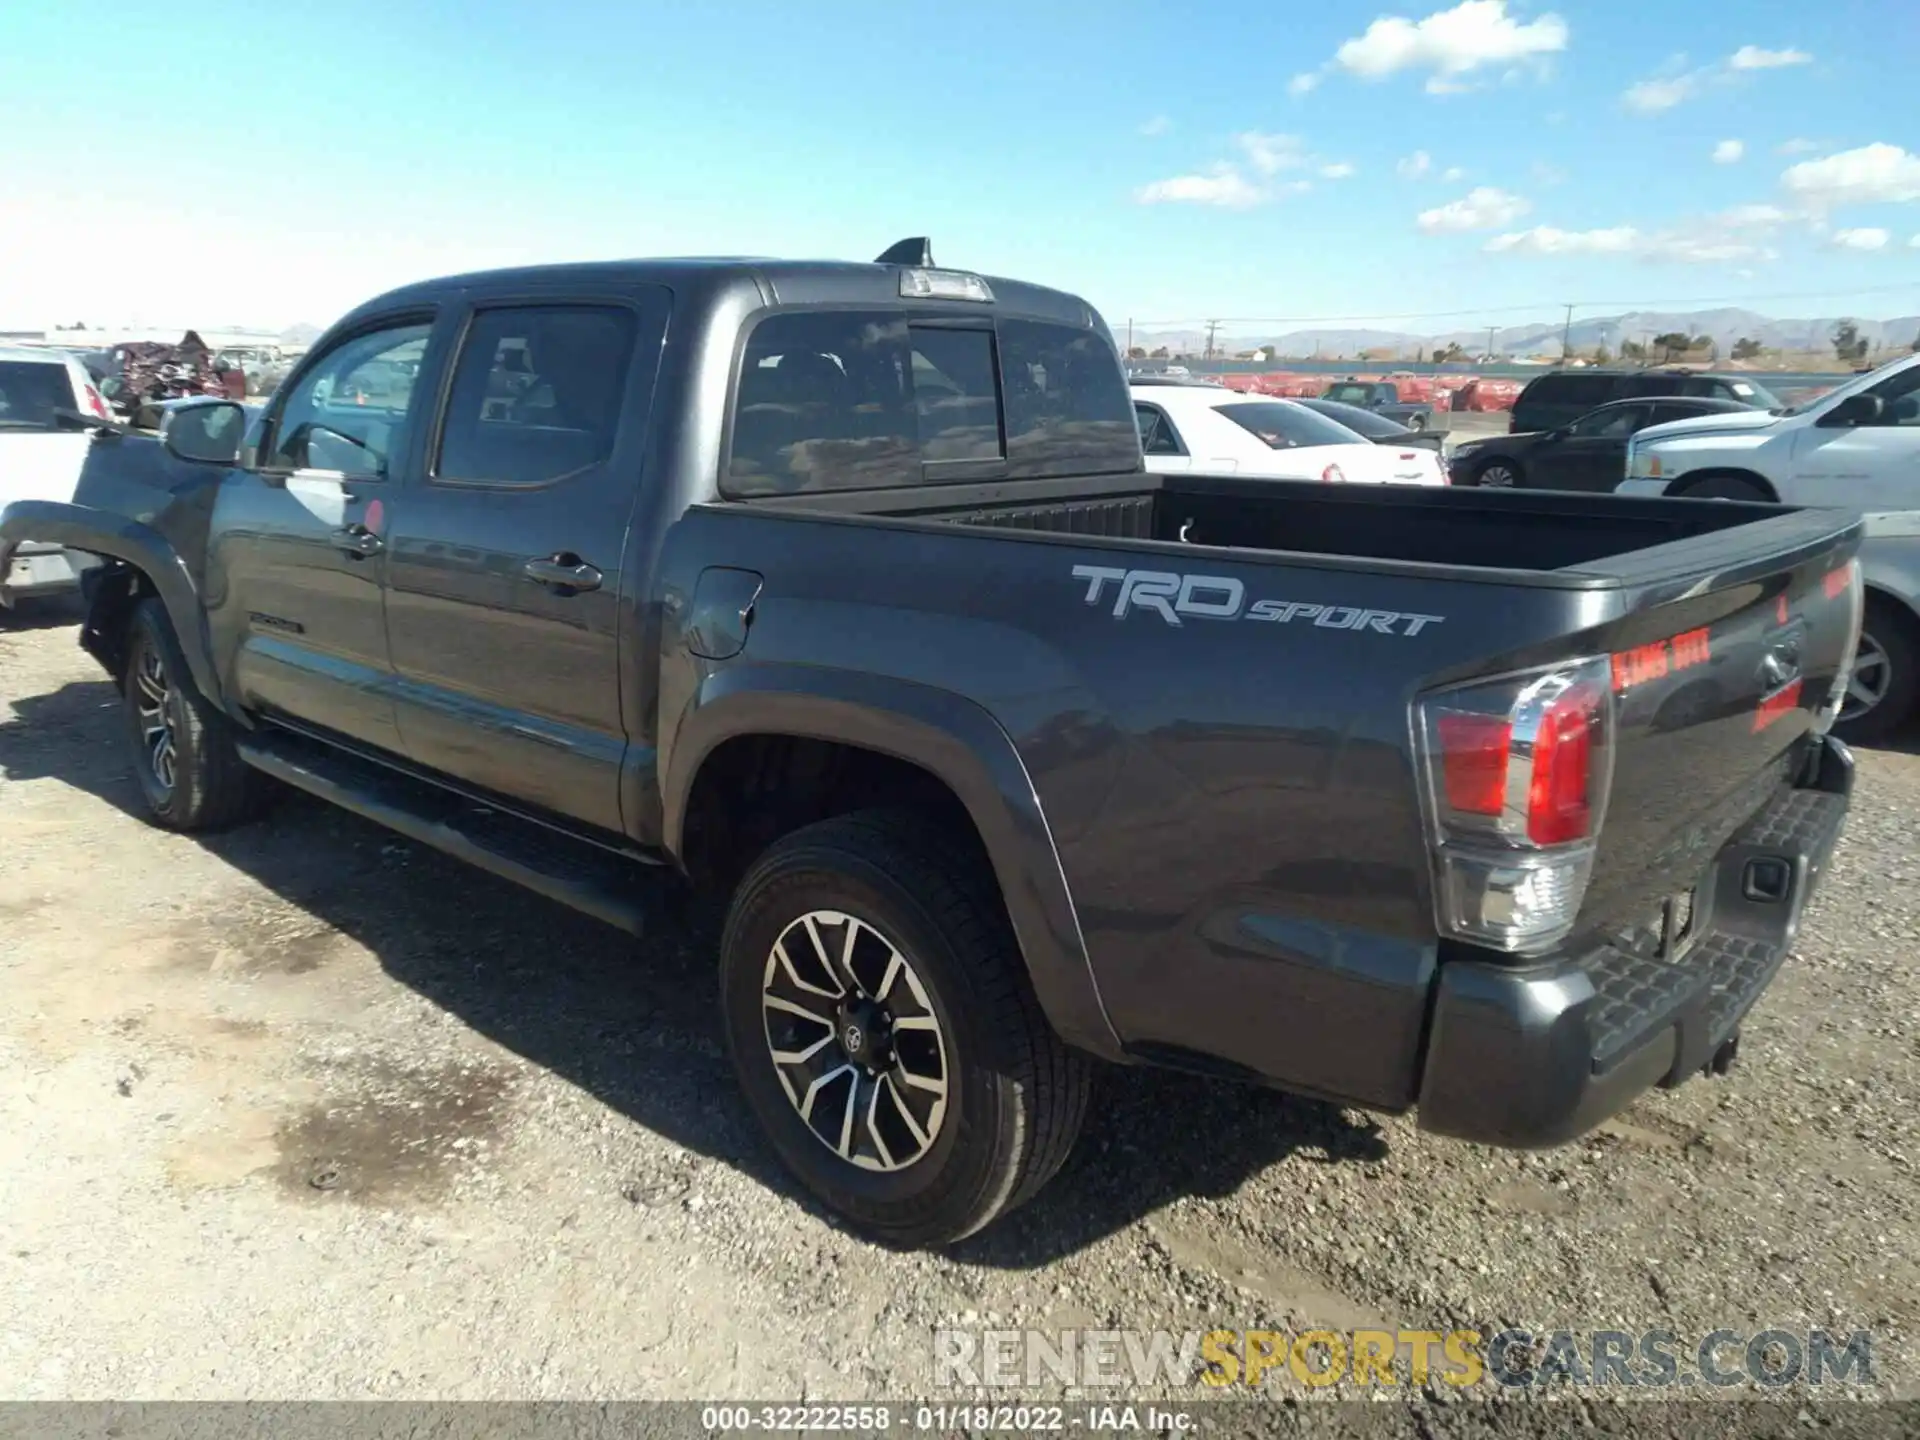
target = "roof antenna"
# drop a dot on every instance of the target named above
(916, 250)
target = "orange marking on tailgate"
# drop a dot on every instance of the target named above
(1775, 705)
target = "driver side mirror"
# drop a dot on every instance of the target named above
(1861, 409)
(206, 434)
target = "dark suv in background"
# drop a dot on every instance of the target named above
(1563, 396)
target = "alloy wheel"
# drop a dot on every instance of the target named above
(154, 705)
(855, 1040)
(1871, 678)
(1497, 475)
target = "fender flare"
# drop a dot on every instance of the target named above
(953, 739)
(117, 537)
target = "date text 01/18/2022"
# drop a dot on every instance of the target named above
(942, 1418)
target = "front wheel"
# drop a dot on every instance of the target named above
(1725, 487)
(1416, 422)
(1501, 474)
(190, 773)
(881, 1023)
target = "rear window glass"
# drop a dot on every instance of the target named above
(1287, 427)
(853, 400)
(1349, 394)
(1362, 422)
(30, 391)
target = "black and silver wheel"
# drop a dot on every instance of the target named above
(189, 772)
(1884, 687)
(1416, 422)
(881, 1023)
(1502, 474)
(855, 1041)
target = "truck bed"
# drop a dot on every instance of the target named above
(1545, 537)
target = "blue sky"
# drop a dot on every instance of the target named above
(1379, 162)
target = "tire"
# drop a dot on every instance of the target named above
(1511, 475)
(1416, 422)
(1014, 1095)
(1725, 487)
(199, 781)
(1888, 665)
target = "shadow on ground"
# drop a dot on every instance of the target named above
(635, 1023)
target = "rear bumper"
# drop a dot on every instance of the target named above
(1532, 1058)
(31, 570)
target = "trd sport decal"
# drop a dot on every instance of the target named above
(1177, 598)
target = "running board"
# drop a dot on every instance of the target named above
(621, 892)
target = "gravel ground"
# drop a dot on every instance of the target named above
(304, 1111)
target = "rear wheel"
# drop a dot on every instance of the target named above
(1416, 422)
(1884, 687)
(190, 773)
(882, 1026)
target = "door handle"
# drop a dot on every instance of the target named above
(358, 541)
(565, 572)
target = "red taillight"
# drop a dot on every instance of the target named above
(1560, 790)
(1517, 774)
(1473, 761)
(97, 403)
(1333, 475)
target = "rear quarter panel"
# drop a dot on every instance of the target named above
(1231, 800)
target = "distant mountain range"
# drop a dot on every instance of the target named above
(1723, 327)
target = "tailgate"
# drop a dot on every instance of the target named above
(1715, 691)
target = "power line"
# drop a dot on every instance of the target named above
(1536, 307)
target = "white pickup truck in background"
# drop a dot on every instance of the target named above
(1856, 447)
(41, 457)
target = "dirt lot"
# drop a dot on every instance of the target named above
(304, 1111)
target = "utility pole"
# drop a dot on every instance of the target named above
(1566, 338)
(1212, 327)
(1129, 335)
(1490, 330)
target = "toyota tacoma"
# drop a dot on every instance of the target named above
(839, 592)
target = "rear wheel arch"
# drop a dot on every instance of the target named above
(876, 738)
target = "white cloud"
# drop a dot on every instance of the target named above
(1221, 185)
(1339, 170)
(1303, 84)
(1703, 248)
(1450, 43)
(1270, 154)
(1158, 125)
(1545, 174)
(1914, 243)
(1482, 208)
(1754, 216)
(1799, 145)
(1453, 173)
(1650, 97)
(1876, 173)
(1546, 240)
(1870, 237)
(1729, 152)
(1752, 57)
(1413, 166)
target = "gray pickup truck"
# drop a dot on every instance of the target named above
(1383, 399)
(838, 592)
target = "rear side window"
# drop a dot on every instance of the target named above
(854, 400)
(536, 394)
(1287, 427)
(30, 391)
(1349, 394)
(1664, 385)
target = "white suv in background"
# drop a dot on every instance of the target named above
(1857, 447)
(41, 456)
